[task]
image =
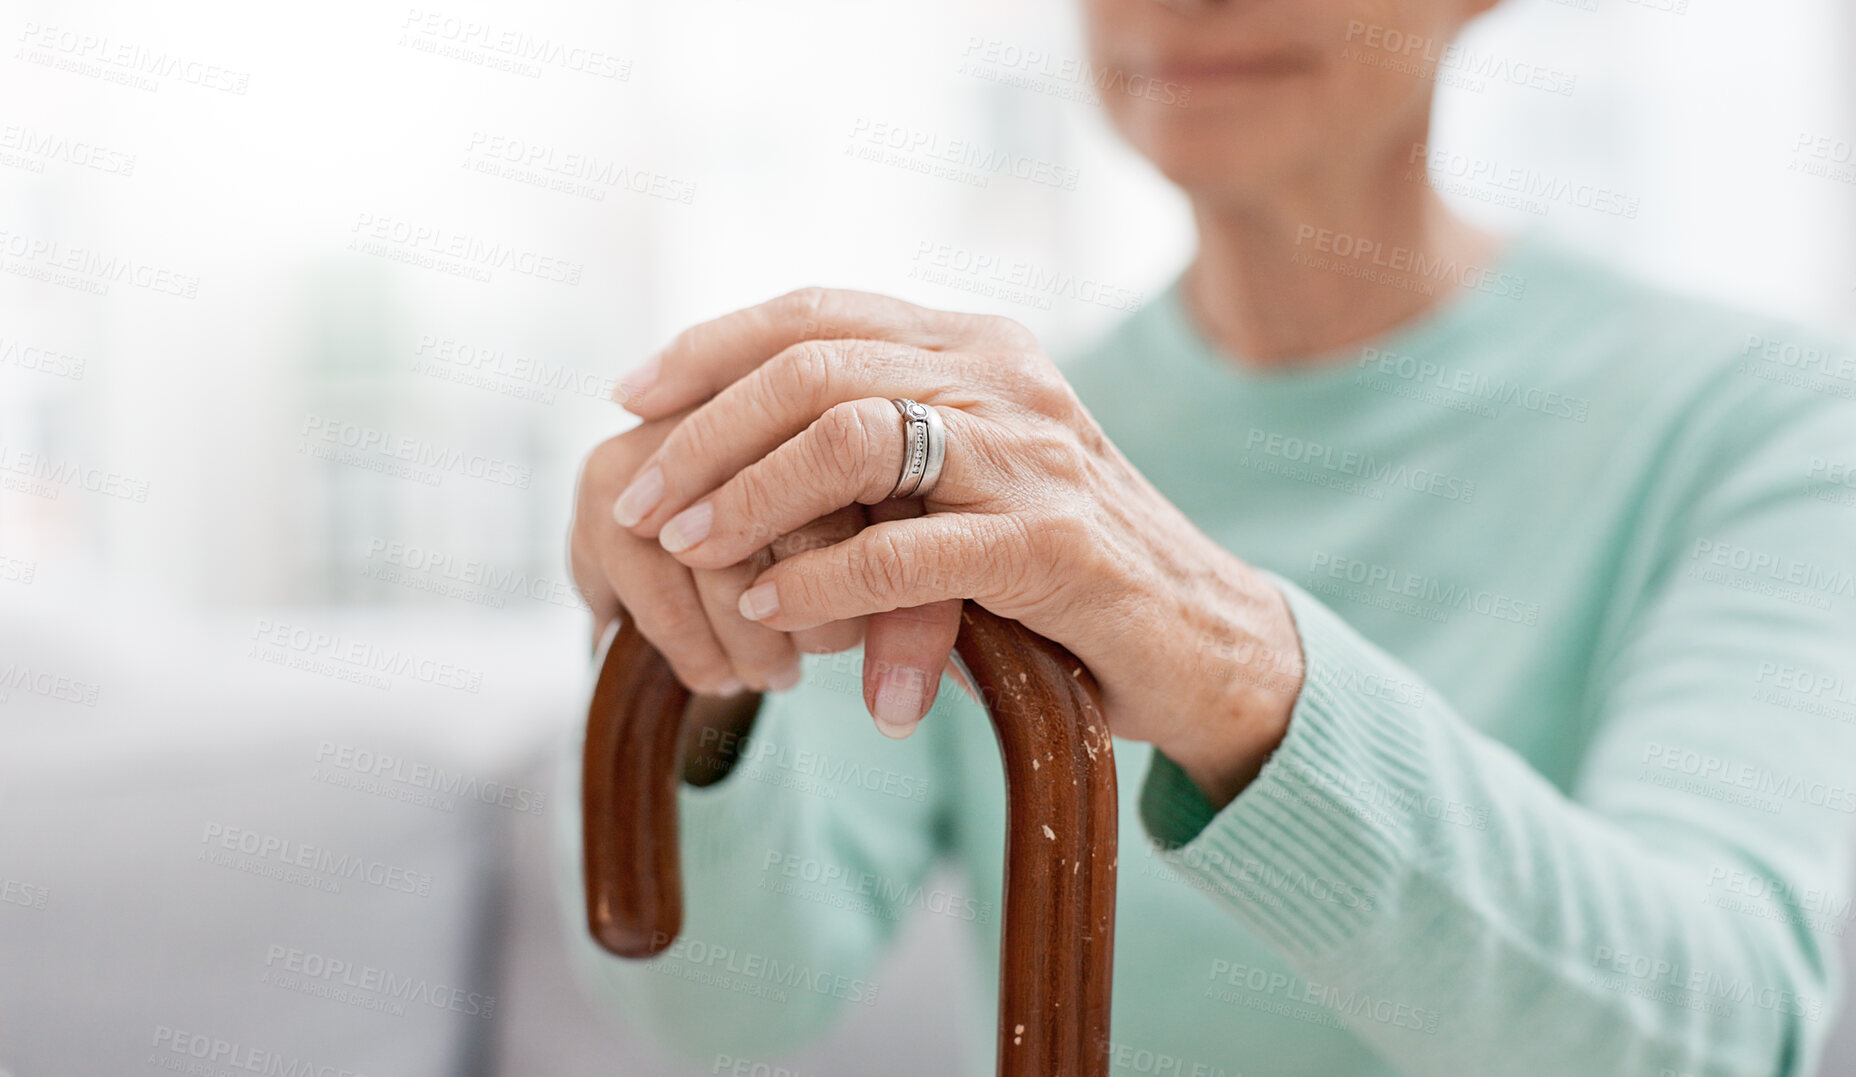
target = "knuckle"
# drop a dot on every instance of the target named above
(1050, 451)
(806, 306)
(753, 504)
(793, 376)
(803, 590)
(610, 465)
(805, 540)
(682, 343)
(681, 636)
(660, 609)
(1049, 394)
(701, 675)
(829, 638)
(881, 564)
(695, 438)
(797, 376)
(1009, 331)
(1037, 560)
(841, 442)
(763, 662)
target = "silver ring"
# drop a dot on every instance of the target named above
(924, 449)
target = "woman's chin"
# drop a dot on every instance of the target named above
(1227, 160)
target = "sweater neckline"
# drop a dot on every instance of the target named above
(1329, 370)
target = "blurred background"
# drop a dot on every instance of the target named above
(307, 317)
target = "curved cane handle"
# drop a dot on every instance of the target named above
(1058, 935)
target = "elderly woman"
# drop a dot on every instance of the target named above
(1473, 619)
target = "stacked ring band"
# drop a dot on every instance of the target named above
(924, 449)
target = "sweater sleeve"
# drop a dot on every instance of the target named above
(797, 868)
(1675, 911)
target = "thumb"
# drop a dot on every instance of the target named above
(905, 651)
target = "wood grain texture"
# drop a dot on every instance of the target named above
(628, 799)
(1058, 934)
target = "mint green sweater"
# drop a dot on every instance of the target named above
(1568, 789)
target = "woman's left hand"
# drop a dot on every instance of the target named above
(1037, 516)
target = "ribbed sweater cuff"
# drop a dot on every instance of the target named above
(1315, 848)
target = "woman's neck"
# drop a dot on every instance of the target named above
(1282, 281)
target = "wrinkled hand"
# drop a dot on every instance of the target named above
(692, 616)
(785, 418)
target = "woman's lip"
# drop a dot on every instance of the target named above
(1269, 65)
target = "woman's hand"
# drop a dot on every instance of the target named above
(692, 616)
(786, 417)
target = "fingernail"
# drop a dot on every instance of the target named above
(646, 490)
(730, 687)
(785, 679)
(899, 702)
(760, 602)
(687, 528)
(633, 385)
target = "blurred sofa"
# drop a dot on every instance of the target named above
(218, 863)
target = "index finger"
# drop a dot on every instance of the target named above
(707, 358)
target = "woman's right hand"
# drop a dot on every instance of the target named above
(691, 615)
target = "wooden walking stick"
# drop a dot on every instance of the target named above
(1058, 936)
